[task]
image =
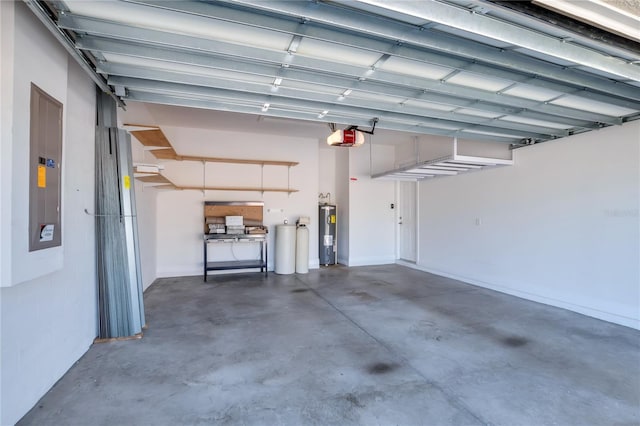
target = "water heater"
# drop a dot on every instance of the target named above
(328, 243)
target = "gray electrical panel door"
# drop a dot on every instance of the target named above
(328, 242)
(44, 169)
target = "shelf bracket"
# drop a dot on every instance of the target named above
(204, 178)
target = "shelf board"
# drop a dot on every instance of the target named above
(235, 161)
(235, 264)
(167, 184)
(153, 137)
(161, 148)
(155, 178)
(164, 153)
(450, 165)
(237, 188)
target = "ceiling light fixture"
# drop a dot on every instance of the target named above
(345, 94)
(277, 81)
(323, 113)
(265, 107)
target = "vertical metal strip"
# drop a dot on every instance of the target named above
(127, 191)
(121, 307)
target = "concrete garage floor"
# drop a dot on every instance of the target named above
(383, 345)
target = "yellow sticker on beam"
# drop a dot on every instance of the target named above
(42, 176)
(126, 181)
(332, 218)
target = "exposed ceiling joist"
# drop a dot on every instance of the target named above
(186, 49)
(416, 35)
(429, 90)
(443, 67)
(319, 103)
(486, 26)
(417, 128)
(424, 47)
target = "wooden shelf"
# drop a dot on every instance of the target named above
(158, 178)
(237, 188)
(153, 137)
(161, 148)
(235, 264)
(165, 183)
(236, 161)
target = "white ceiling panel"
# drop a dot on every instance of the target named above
(524, 120)
(186, 69)
(480, 132)
(478, 113)
(472, 37)
(530, 92)
(547, 58)
(371, 8)
(429, 105)
(482, 82)
(160, 19)
(581, 103)
(310, 87)
(366, 96)
(337, 53)
(603, 73)
(416, 68)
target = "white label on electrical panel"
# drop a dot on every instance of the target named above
(46, 232)
(328, 240)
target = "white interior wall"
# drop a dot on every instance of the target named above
(146, 198)
(180, 221)
(146, 205)
(327, 173)
(423, 148)
(428, 147)
(48, 322)
(7, 25)
(560, 227)
(52, 79)
(499, 150)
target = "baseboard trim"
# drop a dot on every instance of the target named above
(370, 261)
(584, 310)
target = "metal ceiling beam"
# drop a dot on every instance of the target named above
(524, 73)
(548, 113)
(316, 107)
(192, 50)
(213, 61)
(247, 100)
(574, 32)
(38, 10)
(330, 102)
(487, 26)
(365, 23)
(296, 115)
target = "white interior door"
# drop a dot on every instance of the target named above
(407, 221)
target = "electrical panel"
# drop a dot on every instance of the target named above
(45, 171)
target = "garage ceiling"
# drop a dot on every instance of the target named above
(511, 72)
